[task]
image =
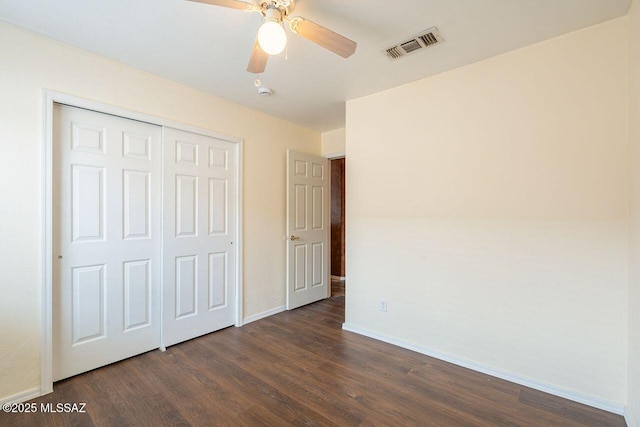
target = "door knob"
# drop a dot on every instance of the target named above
(292, 238)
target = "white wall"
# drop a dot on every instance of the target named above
(31, 63)
(333, 142)
(491, 211)
(634, 282)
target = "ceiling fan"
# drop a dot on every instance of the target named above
(272, 38)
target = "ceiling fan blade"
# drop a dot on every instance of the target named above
(233, 4)
(323, 36)
(258, 60)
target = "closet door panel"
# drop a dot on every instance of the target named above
(200, 229)
(106, 239)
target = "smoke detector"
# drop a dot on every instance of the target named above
(264, 91)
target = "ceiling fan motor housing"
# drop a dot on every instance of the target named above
(284, 6)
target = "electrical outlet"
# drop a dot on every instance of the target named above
(382, 304)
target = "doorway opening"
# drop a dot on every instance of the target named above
(338, 227)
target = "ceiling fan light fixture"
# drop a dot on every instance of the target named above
(271, 35)
(272, 38)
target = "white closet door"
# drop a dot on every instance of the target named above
(200, 177)
(106, 239)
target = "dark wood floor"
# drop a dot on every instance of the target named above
(300, 368)
(337, 288)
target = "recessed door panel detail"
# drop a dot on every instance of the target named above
(217, 280)
(217, 206)
(186, 152)
(317, 208)
(87, 138)
(317, 171)
(137, 294)
(88, 285)
(137, 198)
(218, 158)
(87, 197)
(186, 205)
(186, 286)
(300, 168)
(300, 207)
(300, 267)
(317, 264)
(136, 146)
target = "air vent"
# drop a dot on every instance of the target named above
(429, 39)
(411, 46)
(395, 52)
(423, 40)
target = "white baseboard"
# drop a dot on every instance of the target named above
(264, 314)
(629, 418)
(615, 408)
(21, 397)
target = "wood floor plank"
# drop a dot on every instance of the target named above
(300, 368)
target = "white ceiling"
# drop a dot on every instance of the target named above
(208, 47)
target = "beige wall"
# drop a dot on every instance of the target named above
(333, 142)
(31, 63)
(634, 282)
(491, 211)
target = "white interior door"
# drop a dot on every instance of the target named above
(200, 232)
(106, 239)
(307, 229)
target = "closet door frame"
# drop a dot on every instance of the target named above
(46, 287)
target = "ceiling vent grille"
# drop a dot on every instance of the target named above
(423, 40)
